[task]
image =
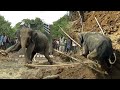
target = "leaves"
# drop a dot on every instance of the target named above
(5, 27)
(55, 30)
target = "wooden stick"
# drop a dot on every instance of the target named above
(52, 77)
(99, 26)
(69, 36)
(67, 55)
(33, 66)
(80, 17)
(80, 20)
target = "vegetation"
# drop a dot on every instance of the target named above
(55, 30)
(5, 27)
(35, 24)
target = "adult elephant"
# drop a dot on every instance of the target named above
(31, 42)
(97, 46)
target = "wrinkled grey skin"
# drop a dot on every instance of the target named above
(31, 42)
(96, 47)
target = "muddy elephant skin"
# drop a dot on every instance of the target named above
(97, 47)
(31, 42)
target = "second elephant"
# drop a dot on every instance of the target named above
(97, 46)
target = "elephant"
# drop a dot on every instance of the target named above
(96, 46)
(31, 42)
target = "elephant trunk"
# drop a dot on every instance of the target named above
(23, 45)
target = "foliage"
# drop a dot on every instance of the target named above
(55, 30)
(35, 24)
(5, 27)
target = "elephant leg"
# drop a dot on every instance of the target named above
(92, 55)
(33, 53)
(46, 53)
(29, 53)
(85, 51)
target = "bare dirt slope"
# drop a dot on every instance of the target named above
(110, 23)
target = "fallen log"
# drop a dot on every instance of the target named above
(58, 65)
(52, 77)
(73, 64)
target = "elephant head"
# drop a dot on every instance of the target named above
(27, 42)
(81, 38)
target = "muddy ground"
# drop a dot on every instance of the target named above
(12, 67)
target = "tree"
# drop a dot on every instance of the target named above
(35, 24)
(5, 27)
(63, 21)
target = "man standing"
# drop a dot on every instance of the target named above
(4, 40)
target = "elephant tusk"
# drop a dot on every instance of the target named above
(114, 60)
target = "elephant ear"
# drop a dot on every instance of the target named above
(33, 35)
(81, 39)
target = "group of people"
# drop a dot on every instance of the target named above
(5, 41)
(65, 45)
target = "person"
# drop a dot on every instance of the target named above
(57, 44)
(62, 44)
(68, 45)
(7, 42)
(0, 41)
(4, 41)
(65, 49)
(74, 47)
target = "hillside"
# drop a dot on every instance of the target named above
(110, 23)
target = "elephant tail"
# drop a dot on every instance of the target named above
(110, 60)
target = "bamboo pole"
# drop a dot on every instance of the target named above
(80, 20)
(67, 55)
(59, 65)
(99, 26)
(69, 36)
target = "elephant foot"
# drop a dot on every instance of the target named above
(28, 62)
(51, 62)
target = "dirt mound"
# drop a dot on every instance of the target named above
(110, 23)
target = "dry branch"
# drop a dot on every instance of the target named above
(99, 26)
(69, 36)
(67, 55)
(33, 66)
(80, 20)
